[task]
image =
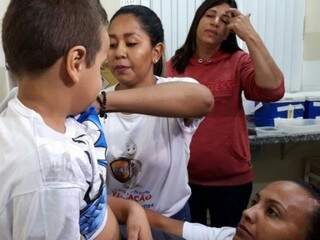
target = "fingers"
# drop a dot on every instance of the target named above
(137, 233)
(133, 233)
(233, 12)
(145, 236)
(240, 25)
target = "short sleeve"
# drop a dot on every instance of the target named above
(195, 231)
(194, 123)
(191, 126)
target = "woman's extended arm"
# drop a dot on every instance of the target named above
(174, 99)
(165, 224)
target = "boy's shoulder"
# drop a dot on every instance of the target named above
(175, 79)
(15, 121)
(28, 143)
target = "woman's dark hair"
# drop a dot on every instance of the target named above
(150, 23)
(314, 227)
(36, 33)
(182, 56)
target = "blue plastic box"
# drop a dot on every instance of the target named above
(312, 106)
(291, 106)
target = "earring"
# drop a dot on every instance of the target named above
(155, 61)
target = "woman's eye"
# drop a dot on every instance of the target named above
(210, 16)
(225, 19)
(272, 212)
(131, 44)
(253, 202)
(112, 45)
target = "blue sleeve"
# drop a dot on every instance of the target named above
(94, 215)
(90, 118)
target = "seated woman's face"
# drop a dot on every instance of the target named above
(281, 211)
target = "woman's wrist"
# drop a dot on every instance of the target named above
(134, 207)
(102, 101)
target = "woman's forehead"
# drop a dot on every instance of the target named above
(282, 189)
(290, 195)
(219, 8)
(127, 26)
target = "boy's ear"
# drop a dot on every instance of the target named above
(75, 63)
(157, 52)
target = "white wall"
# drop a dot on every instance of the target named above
(111, 6)
(4, 85)
(3, 7)
(311, 65)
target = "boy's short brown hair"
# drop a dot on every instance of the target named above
(36, 33)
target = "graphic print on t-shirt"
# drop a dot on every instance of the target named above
(125, 168)
(144, 198)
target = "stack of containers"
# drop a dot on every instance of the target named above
(312, 105)
(292, 105)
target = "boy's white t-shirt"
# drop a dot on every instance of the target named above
(195, 231)
(50, 181)
(148, 158)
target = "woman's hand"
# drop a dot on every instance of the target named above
(267, 73)
(137, 223)
(240, 24)
(133, 216)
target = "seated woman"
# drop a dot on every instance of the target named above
(283, 210)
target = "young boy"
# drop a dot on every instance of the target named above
(51, 184)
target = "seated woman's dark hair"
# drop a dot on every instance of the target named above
(314, 227)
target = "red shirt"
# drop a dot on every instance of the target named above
(220, 152)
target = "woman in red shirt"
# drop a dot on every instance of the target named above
(219, 169)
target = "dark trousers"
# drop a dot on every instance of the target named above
(184, 214)
(225, 204)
